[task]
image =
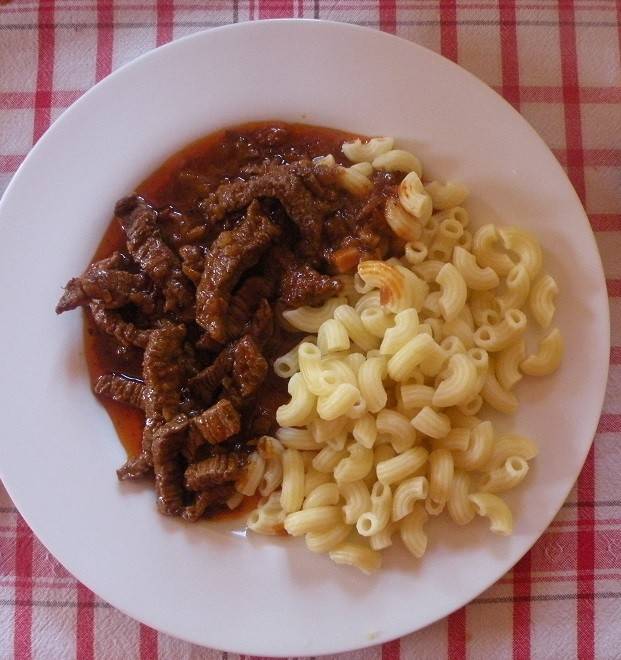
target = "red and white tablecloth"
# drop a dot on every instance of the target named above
(559, 64)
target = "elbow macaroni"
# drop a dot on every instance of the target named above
(381, 430)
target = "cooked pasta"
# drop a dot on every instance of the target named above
(548, 358)
(385, 426)
(541, 300)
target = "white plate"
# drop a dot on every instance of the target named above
(58, 448)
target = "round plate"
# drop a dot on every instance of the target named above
(59, 451)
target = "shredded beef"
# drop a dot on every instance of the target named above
(168, 465)
(214, 471)
(148, 248)
(218, 423)
(295, 185)
(245, 301)
(111, 322)
(232, 253)
(205, 500)
(207, 382)
(303, 285)
(249, 366)
(120, 388)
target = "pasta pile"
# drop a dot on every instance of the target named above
(383, 429)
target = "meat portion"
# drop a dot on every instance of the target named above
(295, 185)
(112, 323)
(261, 325)
(148, 248)
(205, 500)
(249, 367)
(168, 466)
(245, 301)
(192, 262)
(105, 283)
(214, 471)
(218, 423)
(207, 382)
(303, 285)
(230, 255)
(122, 389)
(163, 378)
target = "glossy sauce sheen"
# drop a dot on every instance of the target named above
(214, 162)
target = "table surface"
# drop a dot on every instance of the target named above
(558, 63)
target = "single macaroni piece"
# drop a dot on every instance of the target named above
(302, 405)
(476, 278)
(356, 466)
(541, 301)
(412, 533)
(323, 542)
(286, 365)
(460, 385)
(323, 495)
(417, 288)
(301, 439)
(376, 321)
(314, 478)
(456, 212)
(414, 198)
(447, 195)
(332, 337)
(250, 478)
(370, 381)
(454, 291)
(453, 345)
(446, 238)
(496, 396)
(492, 507)
(525, 245)
(440, 475)
(414, 395)
(332, 433)
(369, 300)
(507, 364)
(428, 270)
(327, 459)
(309, 319)
(511, 444)
(415, 252)
(317, 519)
(432, 423)
(328, 160)
(548, 358)
(517, 287)
(398, 160)
(414, 353)
(458, 439)
(353, 554)
(403, 465)
(269, 518)
(271, 450)
(484, 246)
(359, 152)
(479, 450)
(395, 295)
(354, 180)
(339, 402)
(408, 492)
(499, 336)
(357, 500)
(472, 406)
(374, 521)
(292, 494)
(403, 224)
(365, 430)
(459, 507)
(506, 477)
(355, 329)
(397, 428)
(404, 329)
(484, 308)
(383, 538)
(363, 168)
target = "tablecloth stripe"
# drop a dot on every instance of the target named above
(558, 63)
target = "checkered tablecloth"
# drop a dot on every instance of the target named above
(558, 63)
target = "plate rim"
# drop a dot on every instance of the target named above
(253, 25)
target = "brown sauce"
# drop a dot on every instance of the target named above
(210, 158)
